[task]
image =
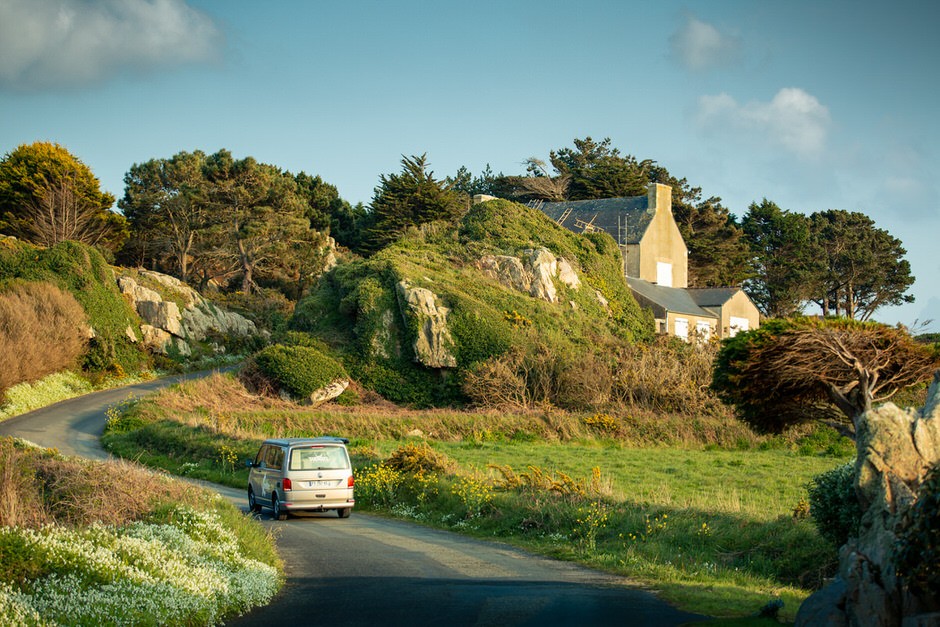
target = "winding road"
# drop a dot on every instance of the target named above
(367, 570)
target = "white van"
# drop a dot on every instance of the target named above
(312, 474)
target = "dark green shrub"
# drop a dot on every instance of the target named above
(834, 504)
(298, 370)
(918, 559)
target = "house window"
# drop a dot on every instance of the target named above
(682, 328)
(737, 325)
(703, 330)
(664, 273)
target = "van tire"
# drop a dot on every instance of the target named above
(253, 505)
(276, 512)
(343, 512)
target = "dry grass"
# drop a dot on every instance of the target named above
(666, 376)
(41, 331)
(38, 486)
(220, 403)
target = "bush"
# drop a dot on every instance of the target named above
(834, 504)
(419, 458)
(298, 370)
(918, 560)
(42, 331)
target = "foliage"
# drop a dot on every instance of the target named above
(298, 370)
(418, 458)
(834, 505)
(47, 196)
(864, 267)
(227, 220)
(784, 262)
(82, 271)
(355, 307)
(789, 371)
(42, 330)
(837, 259)
(409, 199)
(918, 556)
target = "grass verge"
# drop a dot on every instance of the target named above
(87, 543)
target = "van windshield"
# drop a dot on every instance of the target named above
(318, 458)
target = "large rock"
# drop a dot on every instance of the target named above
(328, 392)
(533, 273)
(166, 325)
(433, 345)
(895, 450)
(542, 266)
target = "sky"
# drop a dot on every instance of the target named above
(814, 105)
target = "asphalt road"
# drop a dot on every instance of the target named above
(367, 570)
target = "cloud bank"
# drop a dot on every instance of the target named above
(794, 120)
(698, 46)
(73, 43)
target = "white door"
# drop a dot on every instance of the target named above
(682, 328)
(737, 325)
(664, 273)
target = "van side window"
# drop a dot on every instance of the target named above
(271, 458)
(260, 457)
(279, 458)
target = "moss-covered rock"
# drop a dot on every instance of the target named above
(301, 371)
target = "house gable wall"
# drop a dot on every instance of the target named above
(661, 243)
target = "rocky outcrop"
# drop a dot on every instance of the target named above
(533, 273)
(895, 449)
(328, 392)
(165, 326)
(433, 345)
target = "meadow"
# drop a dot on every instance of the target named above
(710, 515)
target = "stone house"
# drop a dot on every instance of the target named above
(656, 263)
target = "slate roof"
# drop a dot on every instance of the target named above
(712, 296)
(668, 299)
(605, 213)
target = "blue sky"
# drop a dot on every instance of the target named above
(814, 105)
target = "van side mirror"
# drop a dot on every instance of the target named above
(249, 463)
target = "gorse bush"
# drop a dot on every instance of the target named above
(918, 557)
(834, 504)
(421, 457)
(298, 370)
(43, 330)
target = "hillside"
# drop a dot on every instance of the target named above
(423, 319)
(64, 307)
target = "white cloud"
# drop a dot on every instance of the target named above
(793, 120)
(698, 45)
(57, 43)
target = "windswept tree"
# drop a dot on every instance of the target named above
(47, 196)
(166, 202)
(214, 217)
(785, 264)
(410, 198)
(831, 370)
(598, 170)
(863, 266)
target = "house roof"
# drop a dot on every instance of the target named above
(712, 296)
(625, 219)
(669, 299)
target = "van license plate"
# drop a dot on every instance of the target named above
(319, 484)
